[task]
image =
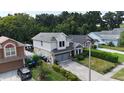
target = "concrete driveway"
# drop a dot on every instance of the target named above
(83, 72)
(9, 76)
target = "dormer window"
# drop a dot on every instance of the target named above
(61, 43)
(10, 50)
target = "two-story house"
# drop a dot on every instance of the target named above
(11, 54)
(55, 46)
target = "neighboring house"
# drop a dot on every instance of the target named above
(11, 54)
(81, 39)
(55, 46)
(105, 37)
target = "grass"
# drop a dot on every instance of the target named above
(120, 57)
(122, 25)
(119, 75)
(51, 75)
(99, 65)
(114, 48)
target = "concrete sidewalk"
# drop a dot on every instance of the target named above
(83, 72)
(110, 50)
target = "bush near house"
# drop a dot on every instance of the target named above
(48, 72)
(45, 72)
(103, 55)
(65, 73)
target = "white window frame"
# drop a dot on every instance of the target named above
(5, 50)
(62, 44)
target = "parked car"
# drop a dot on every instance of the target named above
(24, 73)
(44, 58)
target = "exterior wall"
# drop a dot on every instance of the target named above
(11, 65)
(46, 45)
(76, 51)
(19, 51)
(42, 52)
(53, 45)
(115, 42)
(49, 46)
(62, 38)
(1, 54)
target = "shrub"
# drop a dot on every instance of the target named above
(111, 44)
(94, 46)
(80, 57)
(36, 58)
(56, 68)
(103, 55)
(65, 73)
(71, 76)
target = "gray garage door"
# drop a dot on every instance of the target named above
(62, 57)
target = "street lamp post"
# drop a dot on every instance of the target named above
(89, 44)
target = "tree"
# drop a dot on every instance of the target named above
(19, 26)
(111, 20)
(121, 40)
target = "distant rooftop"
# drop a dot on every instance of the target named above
(110, 34)
(79, 38)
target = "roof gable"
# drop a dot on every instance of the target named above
(48, 37)
(4, 39)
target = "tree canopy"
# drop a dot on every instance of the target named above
(23, 27)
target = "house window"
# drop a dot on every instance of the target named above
(41, 43)
(61, 43)
(10, 50)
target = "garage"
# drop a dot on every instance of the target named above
(10, 65)
(62, 57)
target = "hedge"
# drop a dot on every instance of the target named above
(103, 55)
(65, 73)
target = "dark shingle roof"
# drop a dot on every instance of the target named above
(79, 38)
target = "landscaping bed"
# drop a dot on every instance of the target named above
(42, 71)
(119, 75)
(120, 57)
(48, 72)
(102, 55)
(98, 65)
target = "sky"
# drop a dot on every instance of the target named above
(33, 13)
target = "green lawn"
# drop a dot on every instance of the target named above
(122, 25)
(99, 65)
(50, 76)
(114, 48)
(120, 57)
(119, 75)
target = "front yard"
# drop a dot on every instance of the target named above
(43, 71)
(113, 48)
(49, 75)
(98, 65)
(120, 57)
(119, 75)
(49, 72)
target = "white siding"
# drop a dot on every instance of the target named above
(46, 45)
(53, 45)
(61, 38)
(49, 46)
